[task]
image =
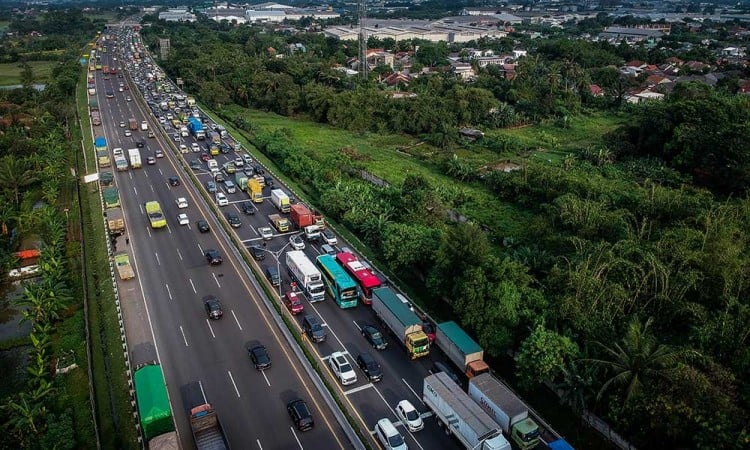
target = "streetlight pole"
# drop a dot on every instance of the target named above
(276, 255)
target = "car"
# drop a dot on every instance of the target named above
(342, 369)
(158, 153)
(233, 219)
(374, 337)
(259, 169)
(266, 233)
(129, 99)
(313, 329)
(202, 226)
(196, 164)
(239, 162)
(151, 134)
(248, 170)
(300, 414)
(327, 249)
(224, 148)
(181, 202)
(369, 367)
(213, 307)
(296, 242)
(150, 160)
(183, 148)
(117, 151)
(272, 274)
(120, 89)
(205, 157)
(329, 237)
(221, 199)
(219, 177)
(128, 133)
(111, 94)
(268, 180)
(183, 219)
(195, 147)
(259, 356)
(213, 257)
(409, 416)
(389, 436)
(122, 124)
(245, 157)
(210, 187)
(247, 208)
(258, 253)
(293, 303)
(229, 168)
(140, 144)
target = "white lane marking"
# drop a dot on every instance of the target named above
(235, 319)
(208, 322)
(259, 446)
(295, 437)
(201, 249)
(183, 336)
(357, 325)
(134, 188)
(264, 376)
(203, 393)
(216, 279)
(360, 388)
(233, 384)
(148, 230)
(157, 259)
(413, 392)
(192, 285)
(394, 412)
(169, 293)
(179, 254)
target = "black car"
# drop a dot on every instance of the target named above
(258, 253)
(202, 226)
(258, 169)
(300, 414)
(213, 307)
(233, 219)
(195, 164)
(268, 180)
(313, 328)
(224, 148)
(259, 355)
(374, 337)
(247, 208)
(370, 367)
(219, 177)
(140, 144)
(173, 181)
(213, 257)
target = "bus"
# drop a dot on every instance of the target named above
(339, 284)
(362, 274)
(155, 216)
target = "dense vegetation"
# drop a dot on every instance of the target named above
(616, 274)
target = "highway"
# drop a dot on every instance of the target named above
(173, 276)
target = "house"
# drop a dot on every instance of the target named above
(697, 66)
(297, 47)
(644, 95)
(630, 35)
(379, 57)
(508, 70)
(636, 64)
(654, 80)
(177, 15)
(463, 70)
(397, 78)
(675, 61)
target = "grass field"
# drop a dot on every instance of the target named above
(10, 73)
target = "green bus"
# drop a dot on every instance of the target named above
(339, 284)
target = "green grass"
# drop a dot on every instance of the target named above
(4, 25)
(10, 73)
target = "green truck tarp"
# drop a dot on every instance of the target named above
(153, 402)
(458, 336)
(111, 197)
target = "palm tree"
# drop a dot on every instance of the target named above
(639, 358)
(15, 174)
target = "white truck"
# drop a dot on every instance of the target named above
(304, 272)
(460, 416)
(280, 200)
(121, 163)
(135, 158)
(184, 132)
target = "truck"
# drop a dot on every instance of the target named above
(121, 163)
(100, 144)
(184, 131)
(240, 179)
(96, 118)
(402, 322)
(306, 274)
(115, 221)
(461, 349)
(196, 128)
(280, 200)
(302, 216)
(135, 158)
(280, 223)
(222, 131)
(458, 415)
(208, 433)
(124, 269)
(505, 408)
(106, 178)
(255, 190)
(132, 124)
(93, 104)
(154, 411)
(102, 158)
(111, 197)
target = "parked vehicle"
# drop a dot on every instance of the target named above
(115, 222)
(293, 303)
(111, 197)
(124, 269)
(341, 368)
(154, 411)
(306, 275)
(314, 330)
(402, 322)
(370, 367)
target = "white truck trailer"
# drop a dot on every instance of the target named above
(307, 276)
(135, 158)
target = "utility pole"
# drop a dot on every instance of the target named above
(362, 12)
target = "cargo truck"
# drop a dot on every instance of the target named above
(458, 415)
(135, 158)
(465, 353)
(255, 190)
(240, 179)
(280, 223)
(121, 163)
(205, 426)
(124, 269)
(132, 124)
(102, 158)
(505, 408)
(96, 118)
(93, 104)
(100, 144)
(280, 200)
(307, 276)
(106, 178)
(402, 322)
(154, 411)
(302, 216)
(196, 128)
(115, 222)
(111, 197)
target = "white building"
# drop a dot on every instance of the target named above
(430, 32)
(177, 15)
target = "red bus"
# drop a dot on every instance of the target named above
(362, 274)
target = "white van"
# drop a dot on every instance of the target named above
(312, 232)
(389, 436)
(212, 164)
(144, 126)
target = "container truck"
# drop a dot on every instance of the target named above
(121, 163)
(106, 178)
(458, 415)
(135, 158)
(465, 353)
(307, 276)
(93, 104)
(240, 179)
(124, 269)
(401, 321)
(102, 158)
(111, 197)
(132, 124)
(196, 128)
(255, 190)
(115, 222)
(280, 223)
(505, 408)
(154, 411)
(100, 144)
(280, 200)
(302, 216)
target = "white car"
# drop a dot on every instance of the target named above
(117, 151)
(183, 148)
(266, 233)
(183, 219)
(195, 147)
(182, 203)
(128, 133)
(409, 416)
(342, 369)
(247, 158)
(221, 199)
(129, 99)
(329, 237)
(389, 436)
(122, 124)
(296, 242)
(239, 162)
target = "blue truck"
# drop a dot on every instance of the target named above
(196, 128)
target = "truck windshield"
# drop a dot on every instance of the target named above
(419, 343)
(317, 289)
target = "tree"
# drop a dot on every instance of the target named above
(15, 175)
(544, 355)
(27, 75)
(407, 246)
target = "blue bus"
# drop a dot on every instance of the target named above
(339, 284)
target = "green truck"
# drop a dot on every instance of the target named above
(93, 104)
(154, 410)
(106, 178)
(111, 197)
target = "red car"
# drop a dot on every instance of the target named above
(293, 303)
